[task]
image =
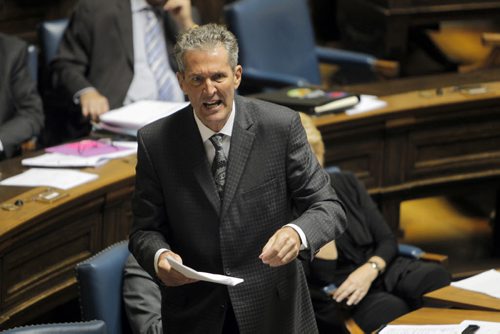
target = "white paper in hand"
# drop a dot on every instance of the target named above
(202, 276)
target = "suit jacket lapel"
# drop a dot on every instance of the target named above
(123, 20)
(197, 158)
(241, 146)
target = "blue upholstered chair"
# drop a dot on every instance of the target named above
(100, 287)
(277, 46)
(84, 327)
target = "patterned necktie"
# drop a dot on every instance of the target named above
(219, 164)
(156, 55)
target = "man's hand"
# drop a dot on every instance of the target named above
(93, 104)
(357, 284)
(282, 248)
(181, 12)
(168, 275)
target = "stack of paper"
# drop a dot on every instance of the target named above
(81, 154)
(49, 177)
(487, 282)
(130, 118)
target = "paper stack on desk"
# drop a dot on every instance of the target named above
(487, 282)
(130, 118)
(85, 153)
(50, 177)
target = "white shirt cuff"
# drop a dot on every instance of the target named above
(157, 255)
(303, 240)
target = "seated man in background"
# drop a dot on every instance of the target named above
(113, 53)
(21, 112)
(375, 285)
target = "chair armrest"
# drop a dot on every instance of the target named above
(410, 251)
(386, 68)
(273, 79)
(344, 57)
(491, 39)
(417, 253)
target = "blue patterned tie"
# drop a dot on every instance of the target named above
(156, 56)
(219, 164)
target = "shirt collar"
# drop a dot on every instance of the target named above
(138, 5)
(206, 132)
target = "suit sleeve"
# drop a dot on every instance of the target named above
(321, 215)
(148, 230)
(72, 61)
(27, 114)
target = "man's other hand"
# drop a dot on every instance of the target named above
(93, 104)
(282, 248)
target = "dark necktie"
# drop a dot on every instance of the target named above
(219, 164)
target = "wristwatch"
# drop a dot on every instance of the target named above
(375, 266)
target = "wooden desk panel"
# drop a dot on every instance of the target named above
(453, 296)
(391, 20)
(442, 316)
(41, 243)
(421, 144)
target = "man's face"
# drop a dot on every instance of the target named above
(210, 84)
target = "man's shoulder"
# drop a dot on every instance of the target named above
(264, 110)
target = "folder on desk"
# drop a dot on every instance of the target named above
(130, 118)
(311, 101)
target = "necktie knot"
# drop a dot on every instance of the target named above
(216, 140)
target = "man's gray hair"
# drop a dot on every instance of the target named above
(206, 37)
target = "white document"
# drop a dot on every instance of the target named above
(422, 329)
(66, 160)
(487, 282)
(202, 276)
(366, 103)
(50, 177)
(135, 115)
(485, 327)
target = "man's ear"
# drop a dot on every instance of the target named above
(238, 71)
(180, 78)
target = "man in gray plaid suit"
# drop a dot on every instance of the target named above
(269, 201)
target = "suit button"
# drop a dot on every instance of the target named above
(222, 306)
(228, 273)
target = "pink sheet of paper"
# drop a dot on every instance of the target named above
(85, 148)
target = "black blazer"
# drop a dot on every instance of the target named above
(21, 113)
(271, 169)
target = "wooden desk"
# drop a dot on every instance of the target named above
(41, 243)
(443, 316)
(423, 143)
(462, 298)
(391, 20)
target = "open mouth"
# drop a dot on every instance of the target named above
(213, 104)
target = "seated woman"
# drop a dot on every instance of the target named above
(375, 285)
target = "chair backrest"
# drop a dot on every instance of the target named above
(33, 62)
(50, 34)
(275, 35)
(100, 286)
(84, 327)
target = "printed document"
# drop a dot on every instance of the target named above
(485, 327)
(487, 282)
(202, 276)
(50, 177)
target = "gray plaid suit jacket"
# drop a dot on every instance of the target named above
(272, 175)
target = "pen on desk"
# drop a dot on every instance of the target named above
(471, 329)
